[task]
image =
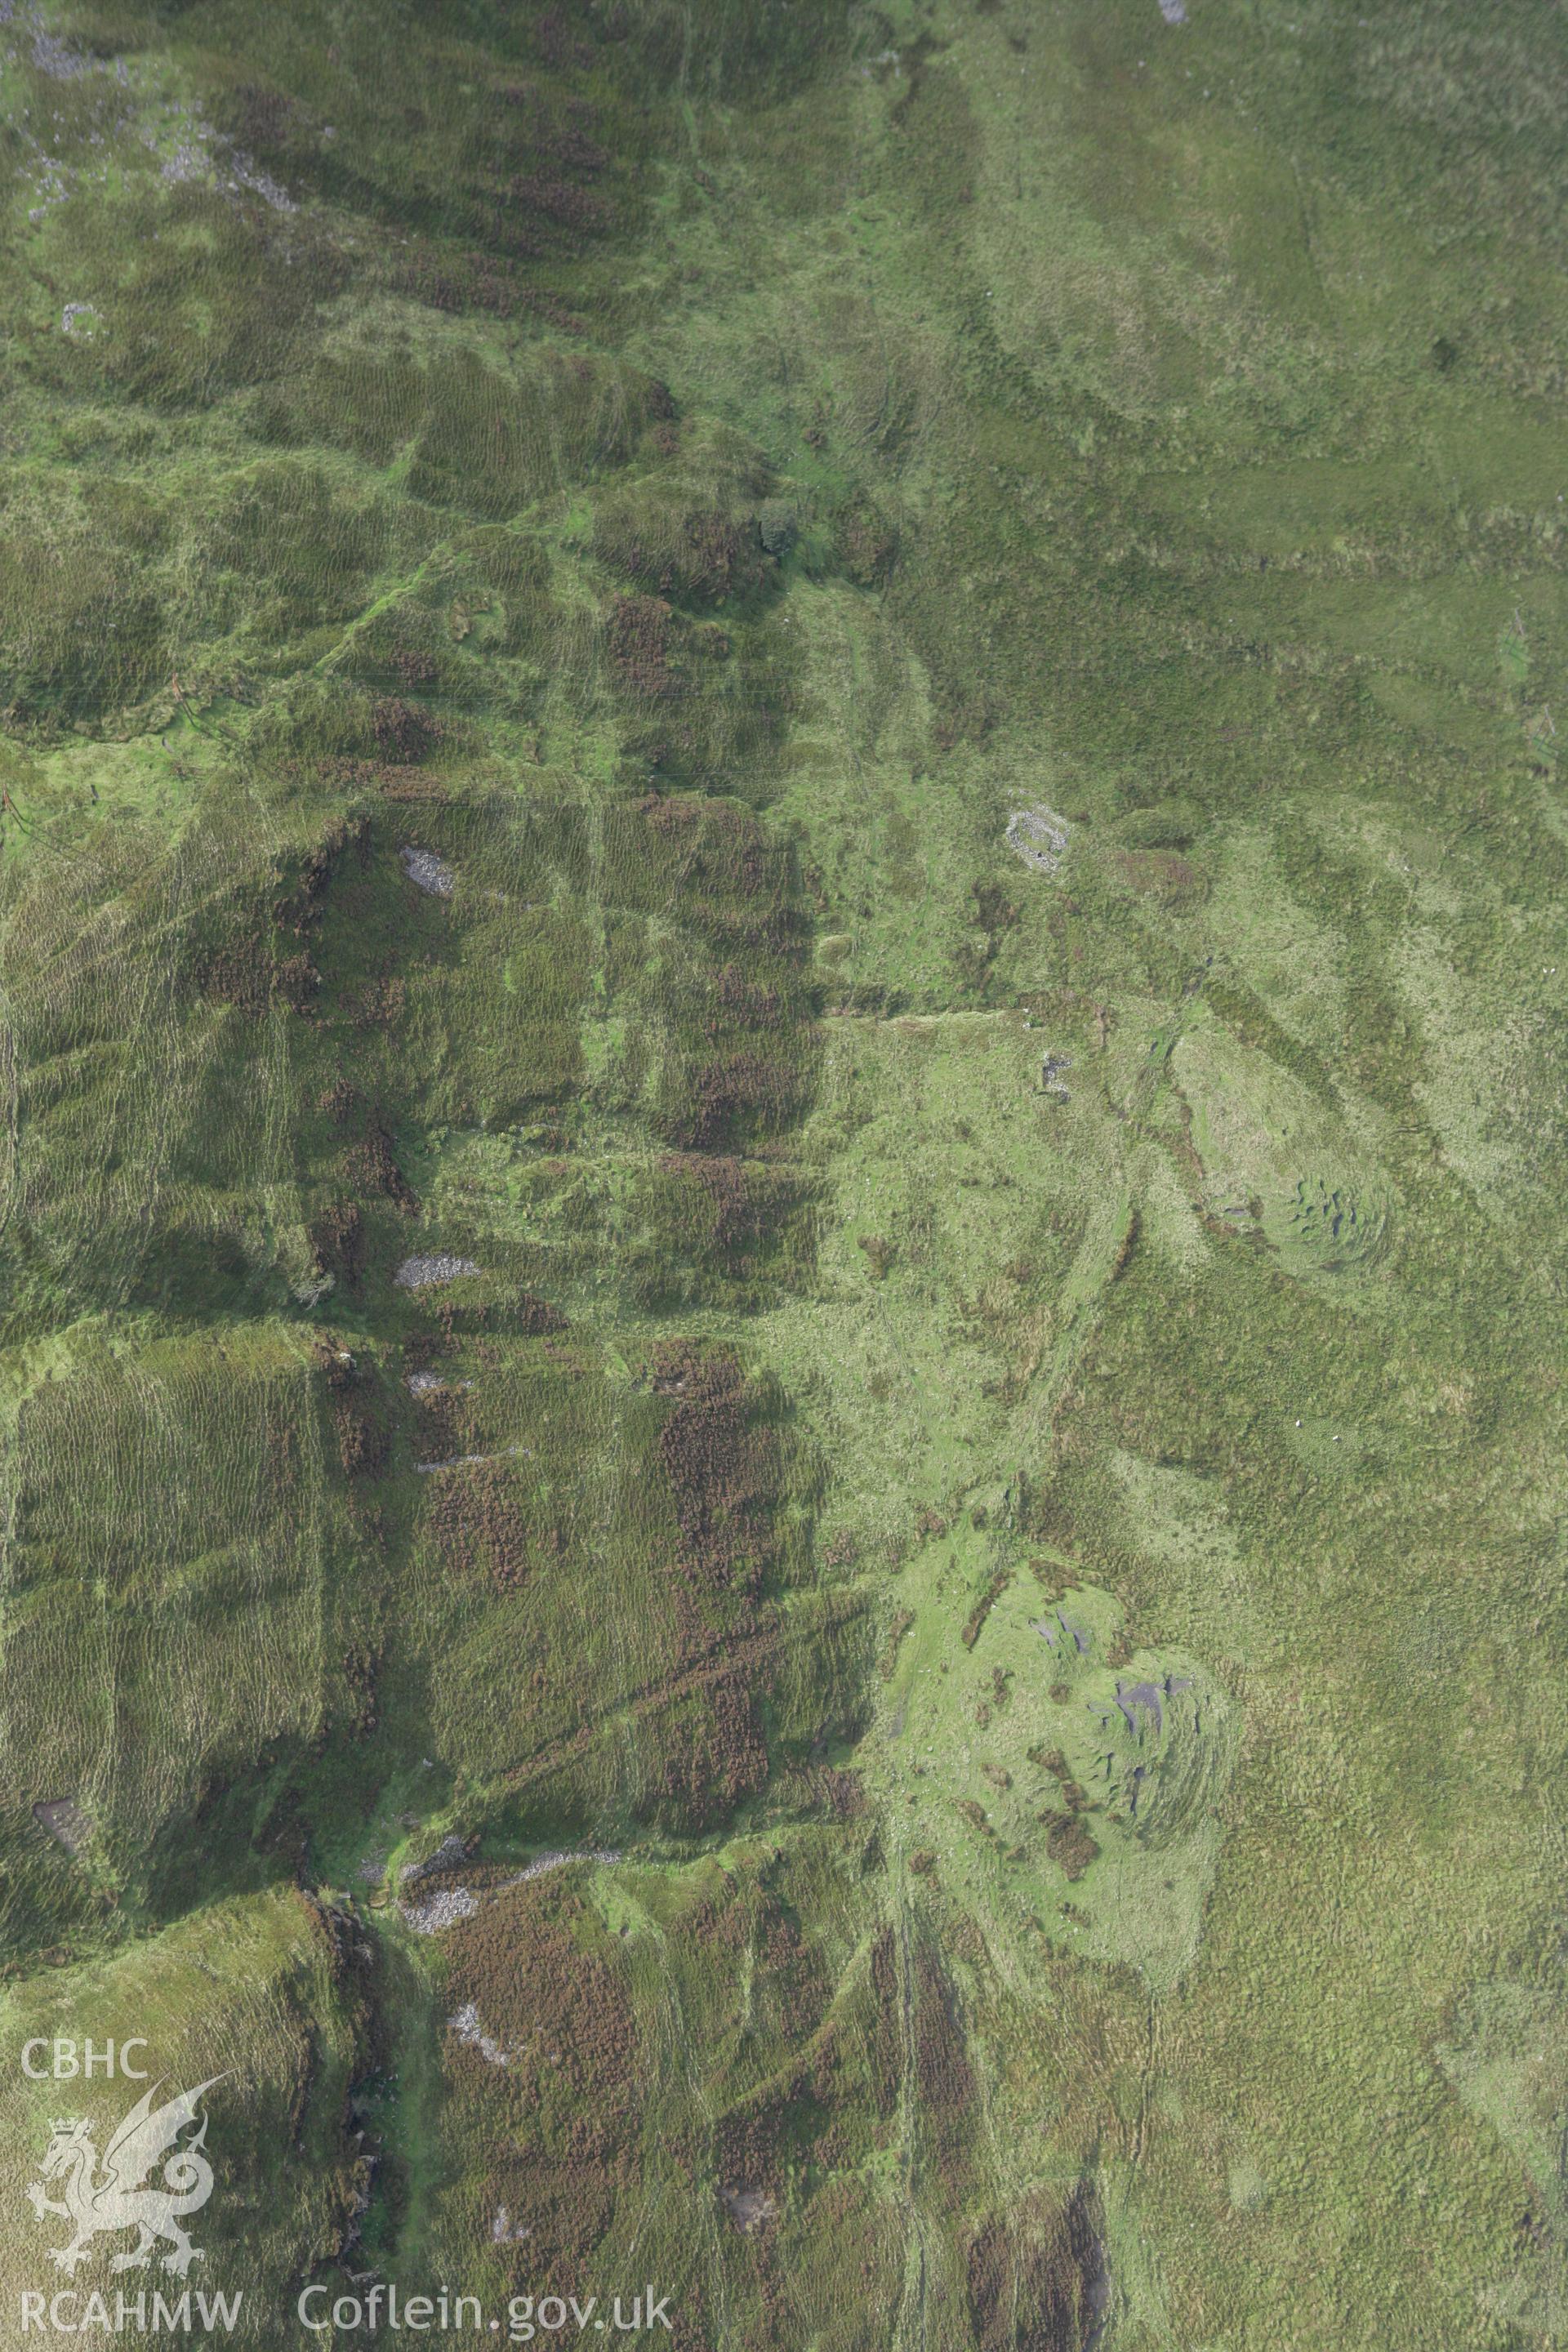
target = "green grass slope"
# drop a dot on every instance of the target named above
(783, 1074)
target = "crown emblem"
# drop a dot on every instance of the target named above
(151, 2180)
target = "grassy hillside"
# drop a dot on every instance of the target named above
(782, 1046)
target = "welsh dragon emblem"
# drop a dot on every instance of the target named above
(120, 2197)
